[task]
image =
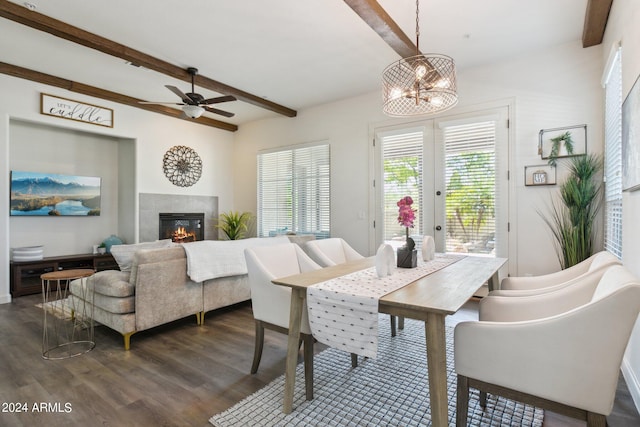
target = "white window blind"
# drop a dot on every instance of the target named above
(613, 157)
(294, 191)
(402, 169)
(470, 173)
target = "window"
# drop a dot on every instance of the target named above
(613, 155)
(451, 168)
(294, 191)
(470, 176)
(402, 170)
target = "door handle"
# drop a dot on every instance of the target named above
(438, 228)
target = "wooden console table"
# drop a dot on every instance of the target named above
(25, 275)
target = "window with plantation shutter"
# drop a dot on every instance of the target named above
(470, 176)
(402, 170)
(294, 191)
(613, 155)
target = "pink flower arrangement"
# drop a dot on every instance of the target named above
(406, 215)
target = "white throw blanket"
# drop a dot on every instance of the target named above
(210, 259)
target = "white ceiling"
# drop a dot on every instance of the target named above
(297, 53)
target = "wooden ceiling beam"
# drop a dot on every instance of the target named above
(595, 22)
(38, 21)
(36, 76)
(379, 20)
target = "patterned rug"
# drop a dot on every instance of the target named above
(388, 391)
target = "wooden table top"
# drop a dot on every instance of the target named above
(443, 291)
(77, 273)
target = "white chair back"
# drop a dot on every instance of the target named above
(272, 303)
(333, 251)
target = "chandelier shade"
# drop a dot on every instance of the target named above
(419, 84)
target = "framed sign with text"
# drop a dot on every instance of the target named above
(73, 110)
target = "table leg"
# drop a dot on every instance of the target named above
(494, 282)
(295, 318)
(437, 366)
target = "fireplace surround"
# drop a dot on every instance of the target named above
(181, 227)
(151, 205)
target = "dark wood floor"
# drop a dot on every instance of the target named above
(175, 375)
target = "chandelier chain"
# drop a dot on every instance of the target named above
(417, 27)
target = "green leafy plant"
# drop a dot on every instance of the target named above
(235, 224)
(556, 143)
(572, 219)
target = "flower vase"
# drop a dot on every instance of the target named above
(407, 254)
(407, 258)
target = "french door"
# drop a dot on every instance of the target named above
(455, 169)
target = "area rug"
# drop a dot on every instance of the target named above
(388, 391)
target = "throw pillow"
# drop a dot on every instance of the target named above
(123, 254)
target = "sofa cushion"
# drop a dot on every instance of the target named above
(123, 254)
(113, 283)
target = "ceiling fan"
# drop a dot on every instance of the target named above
(194, 104)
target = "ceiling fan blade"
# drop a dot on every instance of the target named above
(170, 104)
(218, 100)
(185, 98)
(216, 111)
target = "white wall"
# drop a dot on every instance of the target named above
(623, 27)
(153, 135)
(553, 88)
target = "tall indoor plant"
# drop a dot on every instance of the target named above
(572, 218)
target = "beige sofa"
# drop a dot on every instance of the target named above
(158, 290)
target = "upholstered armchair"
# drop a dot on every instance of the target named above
(272, 303)
(513, 286)
(333, 251)
(562, 358)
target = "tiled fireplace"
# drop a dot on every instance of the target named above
(181, 227)
(152, 205)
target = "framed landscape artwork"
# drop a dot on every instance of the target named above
(631, 140)
(50, 194)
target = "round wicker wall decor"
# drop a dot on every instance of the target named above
(182, 166)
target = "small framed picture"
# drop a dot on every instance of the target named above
(539, 175)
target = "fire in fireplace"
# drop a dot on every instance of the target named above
(182, 227)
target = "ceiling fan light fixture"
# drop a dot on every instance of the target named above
(419, 84)
(193, 111)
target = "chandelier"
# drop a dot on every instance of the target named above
(420, 84)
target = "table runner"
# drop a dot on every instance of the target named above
(343, 312)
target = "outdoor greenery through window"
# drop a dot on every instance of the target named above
(470, 174)
(294, 191)
(402, 157)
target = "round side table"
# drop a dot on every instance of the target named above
(67, 329)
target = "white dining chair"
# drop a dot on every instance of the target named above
(514, 286)
(271, 303)
(558, 357)
(334, 251)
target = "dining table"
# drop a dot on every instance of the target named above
(430, 299)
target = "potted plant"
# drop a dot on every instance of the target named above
(556, 143)
(572, 220)
(407, 254)
(235, 224)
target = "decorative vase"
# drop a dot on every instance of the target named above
(407, 258)
(110, 241)
(407, 254)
